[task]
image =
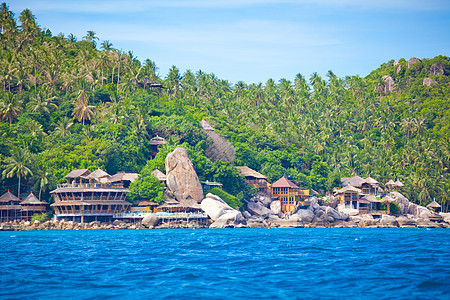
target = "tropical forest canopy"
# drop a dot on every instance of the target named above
(69, 102)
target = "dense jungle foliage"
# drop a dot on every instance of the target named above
(68, 103)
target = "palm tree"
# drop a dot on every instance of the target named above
(17, 165)
(10, 107)
(42, 181)
(41, 103)
(63, 127)
(90, 37)
(83, 111)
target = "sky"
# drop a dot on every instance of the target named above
(254, 40)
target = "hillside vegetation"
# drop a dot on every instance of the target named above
(68, 103)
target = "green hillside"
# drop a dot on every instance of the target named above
(68, 103)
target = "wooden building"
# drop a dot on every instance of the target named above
(254, 178)
(289, 194)
(207, 185)
(32, 205)
(349, 197)
(160, 175)
(154, 145)
(92, 198)
(10, 208)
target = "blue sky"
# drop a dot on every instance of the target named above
(254, 40)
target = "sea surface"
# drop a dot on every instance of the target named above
(226, 264)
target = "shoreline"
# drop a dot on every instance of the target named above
(70, 225)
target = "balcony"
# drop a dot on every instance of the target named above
(90, 185)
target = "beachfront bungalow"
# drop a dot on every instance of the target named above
(254, 178)
(289, 194)
(154, 145)
(94, 198)
(10, 208)
(32, 205)
(349, 197)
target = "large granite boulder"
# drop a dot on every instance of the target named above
(150, 220)
(436, 69)
(389, 83)
(413, 60)
(256, 208)
(337, 216)
(182, 180)
(389, 220)
(229, 219)
(275, 207)
(429, 82)
(302, 215)
(408, 208)
(215, 207)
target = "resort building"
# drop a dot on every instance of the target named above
(207, 185)
(254, 178)
(154, 145)
(349, 197)
(32, 205)
(10, 208)
(289, 194)
(394, 186)
(87, 197)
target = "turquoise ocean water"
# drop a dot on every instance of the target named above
(226, 264)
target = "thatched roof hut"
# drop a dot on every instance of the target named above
(353, 181)
(434, 205)
(123, 176)
(248, 172)
(157, 140)
(32, 200)
(399, 184)
(370, 181)
(98, 175)
(390, 183)
(348, 189)
(9, 197)
(160, 175)
(78, 173)
(284, 182)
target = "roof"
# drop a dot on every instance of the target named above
(206, 126)
(390, 182)
(284, 182)
(97, 174)
(8, 197)
(160, 175)
(89, 202)
(77, 173)
(31, 199)
(387, 199)
(211, 183)
(354, 181)
(434, 204)
(370, 198)
(370, 181)
(157, 140)
(247, 172)
(348, 189)
(121, 176)
(399, 184)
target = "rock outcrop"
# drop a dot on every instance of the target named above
(413, 60)
(408, 208)
(256, 208)
(275, 207)
(389, 83)
(436, 69)
(429, 82)
(150, 220)
(182, 180)
(221, 213)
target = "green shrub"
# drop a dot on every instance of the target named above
(40, 217)
(395, 209)
(231, 200)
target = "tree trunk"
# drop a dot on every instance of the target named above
(18, 189)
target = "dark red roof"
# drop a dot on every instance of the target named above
(284, 182)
